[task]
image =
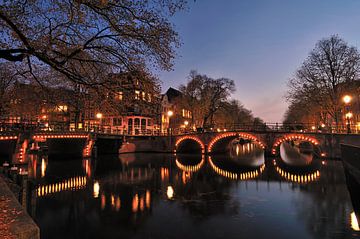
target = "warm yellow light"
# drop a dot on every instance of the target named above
(170, 192)
(313, 127)
(43, 167)
(354, 222)
(349, 115)
(347, 99)
(322, 125)
(99, 115)
(186, 123)
(170, 113)
(96, 189)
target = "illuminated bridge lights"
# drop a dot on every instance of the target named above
(60, 136)
(237, 176)
(8, 137)
(88, 148)
(292, 137)
(75, 183)
(234, 134)
(298, 178)
(190, 168)
(190, 137)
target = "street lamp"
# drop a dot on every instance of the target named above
(347, 99)
(169, 114)
(348, 116)
(99, 116)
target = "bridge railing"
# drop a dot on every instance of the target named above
(106, 129)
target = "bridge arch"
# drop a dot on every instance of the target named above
(231, 136)
(289, 137)
(189, 143)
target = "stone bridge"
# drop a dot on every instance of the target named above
(14, 146)
(328, 145)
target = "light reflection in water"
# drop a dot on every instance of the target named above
(43, 167)
(241, 176)
(190, 168)
(75, 183)
(354, 222)
(103, 201)
(170, 192)
(292, 155)
(147, 198)
(135, 203)
(96, 189)
(118, 203)
(297, 178)
(247, 154)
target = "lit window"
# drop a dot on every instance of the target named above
(137, 95)
(149, 97)
(143, 95)
(119, 95)
(62, 108)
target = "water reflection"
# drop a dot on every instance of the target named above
(221, 167)
(296, 153)
(137, 195)
(299, 176)
(190, 163)
(248, 154)
(75, 183)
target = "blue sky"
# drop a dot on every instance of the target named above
(258, 44)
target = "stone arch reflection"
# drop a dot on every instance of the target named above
(305, 144)
(189, 164)
(300, 175)
(247, 154)
(294, 155)
(234, 171)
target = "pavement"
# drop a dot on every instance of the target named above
(14, 220)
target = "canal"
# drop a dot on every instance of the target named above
(239, 195)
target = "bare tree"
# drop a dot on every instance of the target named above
(325, 74)
(8, 76)
(84, 40)
(205, 95)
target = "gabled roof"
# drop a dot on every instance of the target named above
(172, 94)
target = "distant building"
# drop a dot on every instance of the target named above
(173, 115)
(132, 107)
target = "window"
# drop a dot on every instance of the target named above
(149, 97)
(143, 123)
(137, 122)
(137, 95)
(62, 108)
(117, 121)
(119, 95)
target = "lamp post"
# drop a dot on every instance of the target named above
(99, 116)
(348, 115)
(169, 114)
(186, 123)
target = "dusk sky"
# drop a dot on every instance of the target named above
(258, 44)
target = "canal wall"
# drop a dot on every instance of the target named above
(14, 220)
(155, 144)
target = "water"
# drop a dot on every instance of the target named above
(167, 196)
